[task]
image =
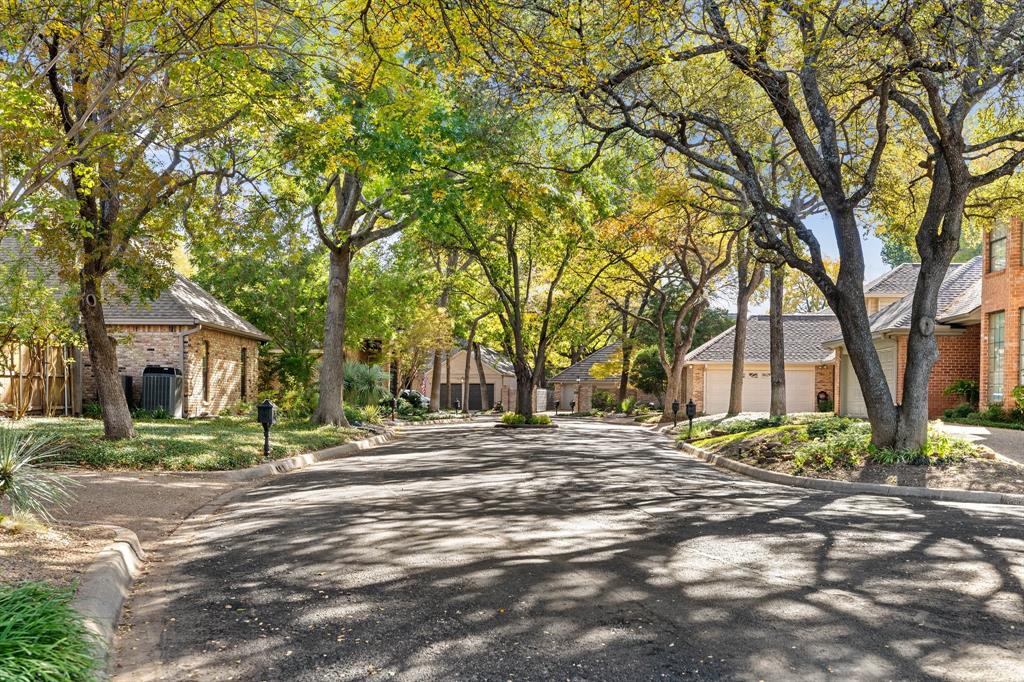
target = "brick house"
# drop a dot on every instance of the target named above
(599, 371)
(187, 329)
(499, 378)
(810, 367)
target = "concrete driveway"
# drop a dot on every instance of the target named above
(590, 552)
(1007, 442)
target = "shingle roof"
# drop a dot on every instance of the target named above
(803, 336)
(183, 303)
(581, 370)
(959, 294)
(899, 281)
(490, 357)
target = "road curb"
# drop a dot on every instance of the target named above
(282, 466)
(942, 494)
(104, 588)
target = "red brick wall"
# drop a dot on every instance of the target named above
(1003, 291)
(225, 371)
(959, 358)
(825, 380)
(137, 346)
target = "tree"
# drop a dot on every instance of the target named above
(749, 277)
(802, 295)
(840, 80)
(142, 105)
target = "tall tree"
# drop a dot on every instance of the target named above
(750, 273)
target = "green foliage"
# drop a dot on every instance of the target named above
(42, 638)
(151, 415)
(647, 372)
(186, 445)
(25, 483)
(297, 401)
(628, 405)
(845, 448)
(371, 414)
(826, 406)
(603, 400)
(539, 419)
(939, 449)
(959, 412)
(353, 415)
(513, 419)
(92, 410)
(823, 428)
(1018, 397)
(995, 413)
(365, 384)
(967, 389)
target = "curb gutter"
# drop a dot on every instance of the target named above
(942, 494)
(287, 464)
(105, 586)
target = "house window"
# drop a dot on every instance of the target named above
(997, 248)
(996, 339)
(206, 370)
(245, 372)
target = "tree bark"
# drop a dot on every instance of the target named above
(524, 392)
(747, 283)
(627, 350)
(484, 402)
(470, 339)
(776, 342)
(448, 380)
(117, 419)
(330, 408)
(435, 382)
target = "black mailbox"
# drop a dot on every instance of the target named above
(691, 409)
(675, 411)
(266, 415)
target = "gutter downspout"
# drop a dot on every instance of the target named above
(186, 386)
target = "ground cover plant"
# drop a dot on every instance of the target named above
(27, 484)
(829, 446)
(186, 445)
(42, 639)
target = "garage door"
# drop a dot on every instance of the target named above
(852, 399)
(757, 390)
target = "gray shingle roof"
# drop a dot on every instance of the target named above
(959, 294)
(581, 370)
(490, 357)
(803, 336)
(183, 303)
(899, 281)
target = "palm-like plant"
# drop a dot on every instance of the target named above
(364, 384)
(26, 483)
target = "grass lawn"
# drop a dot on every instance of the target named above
(187, 445)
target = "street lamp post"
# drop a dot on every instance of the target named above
(579, 402)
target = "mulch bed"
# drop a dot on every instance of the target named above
(993, 475)
(57, 555)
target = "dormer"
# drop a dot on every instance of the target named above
(891, 287)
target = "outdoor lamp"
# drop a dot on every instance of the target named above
(458, 405)
(675, 411)
(572, 406)
(266, 415)
(579, 400)
(691, 412)
(556, 408)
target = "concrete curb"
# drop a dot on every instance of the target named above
(287, 464)
(943, 494)
(104, 587)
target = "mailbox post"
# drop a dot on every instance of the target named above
(675, 412)
(556, 407)
(266, 415)
(691, 412)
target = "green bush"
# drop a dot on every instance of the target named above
(741, 425)
(959, 412)
(940, 448)
(371, 414)
(150, 415)
(297, 401)
(25, 483)
(92, 411)
(539, 419)
(513, 418)
(967, 389)
(42, 637)
(843, 449)
(603, 400)
(365, 384)
(1018, 397)
(628, 405)
(995, 413)
(826, 406)
(823, 428)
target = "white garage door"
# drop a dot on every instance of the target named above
(852, 399)
(757, 390)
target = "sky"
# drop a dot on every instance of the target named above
(822, 227)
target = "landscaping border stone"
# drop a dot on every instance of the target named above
(942, 494)
(105, 586)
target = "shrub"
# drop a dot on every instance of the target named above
(994, 413)
(513, 418)
(1018, 397)
(539, 419)
(603, 400)
(826, 405)
(940, 448)
(92, 411)
(416, 399)
(843, 449)
(823, 428)
(352, 414)
(151, 415)
(365, 384)
(42, 637)
(967, 389)
(25, 483)
(297, 401)
(372, 415)
(628, 405)
(959, 412)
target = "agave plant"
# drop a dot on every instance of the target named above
(26, 482)
(365, 384)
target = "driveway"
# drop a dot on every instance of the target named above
(1007, 442)
(590, 552)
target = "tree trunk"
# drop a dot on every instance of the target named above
(674, 386)
(435, 382)
(747, 283)
(524, 392)
(448, 380)
(469, 359)
(484, 402)
(117, 420)
(776, 344)
(627, 351)
(330, 409)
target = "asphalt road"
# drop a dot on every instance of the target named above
(590, 552)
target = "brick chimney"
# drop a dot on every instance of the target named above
(1002, 305)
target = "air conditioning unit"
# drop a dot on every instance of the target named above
(162, 388)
